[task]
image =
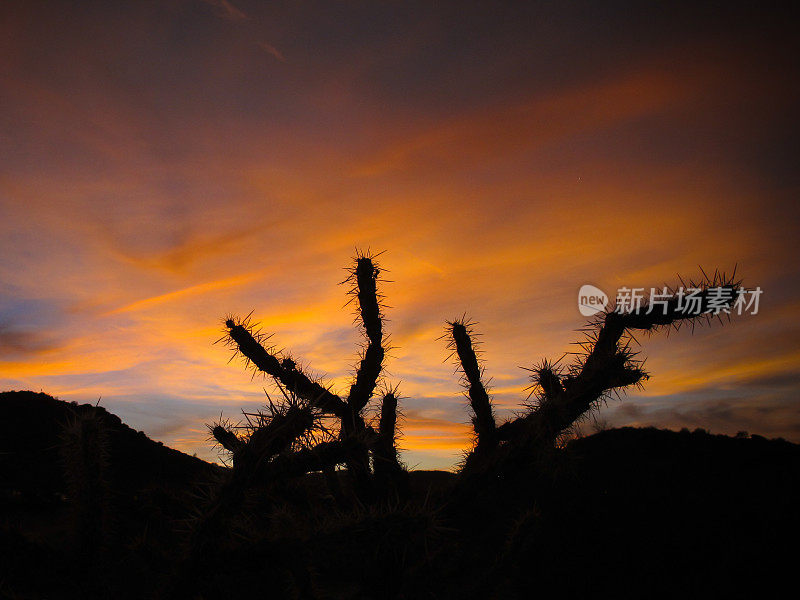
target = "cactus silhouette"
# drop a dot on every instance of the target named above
(295, 436)
(563, 394)
(312, 429)
(606, 364)
(366, 453)
(314, 502)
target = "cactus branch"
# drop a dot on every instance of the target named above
(227, 439)
(285, 371)
(608, 365)
(323, 456)
(391, 477)
(384, 452)
(282, 429)
(483, 420)
(365, 277)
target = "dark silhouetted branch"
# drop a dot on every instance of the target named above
(227, 439)
(284, 371)
(483, 419)
(607, 365)
(319, 458)
(365, 278)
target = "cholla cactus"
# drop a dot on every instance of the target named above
(313, 429)
(563, 394)
(294, 437)
(364, 451)
(606, 365)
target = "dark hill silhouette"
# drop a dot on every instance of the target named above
(633, 510)
(658, 512)
(30, 433)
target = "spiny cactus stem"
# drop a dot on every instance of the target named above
(389, 473)
(366, 279)
(322, 456)
(366, 377)
(281, 431)
(549, 382)
(388, 416)
(227, 439)
(366, 275)
(483, 421)
(660, 317)
(285, 372)
(606, 367)
(357, 460)
(384, 451)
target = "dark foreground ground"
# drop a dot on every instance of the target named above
(629, 513)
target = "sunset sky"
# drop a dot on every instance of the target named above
(165, 163)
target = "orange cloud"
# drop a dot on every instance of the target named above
(177, 295)
(147, 198)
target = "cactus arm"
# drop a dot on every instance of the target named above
(365, 277)
(384, 451)
(281, 431)
(674, 314)
(388, 422)
(285, 371)
(483, 419)
(606, 366)
(227, 439)
(323, 456)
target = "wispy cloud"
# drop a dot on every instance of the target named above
(272, 50)
(182, 294)
(227, 10)
(15, 342)
(168, 180)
